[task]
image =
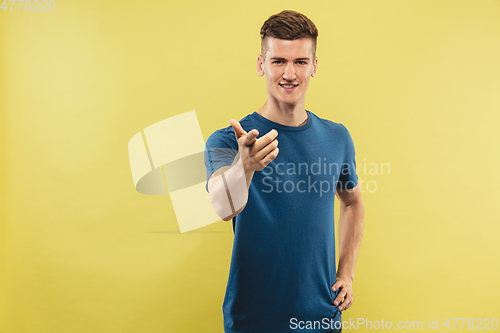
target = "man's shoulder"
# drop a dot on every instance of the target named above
(329, 124)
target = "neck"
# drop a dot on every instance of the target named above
(284, 114)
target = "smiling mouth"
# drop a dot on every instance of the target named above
(288, 86)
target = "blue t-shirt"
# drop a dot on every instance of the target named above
(283, 260)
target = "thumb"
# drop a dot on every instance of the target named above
(250, 138)
(238, 130)
(336, 285)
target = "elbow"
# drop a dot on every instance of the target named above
(220, 209)
(227, 213)
(359, 210)
(223, 208)
(355, 206)
(230, 217)
(361, 207)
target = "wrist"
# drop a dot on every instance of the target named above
(349, 277)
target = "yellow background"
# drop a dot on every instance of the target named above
(416, 82)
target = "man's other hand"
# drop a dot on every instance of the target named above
(345, 286)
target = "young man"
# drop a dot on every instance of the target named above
(283, 276)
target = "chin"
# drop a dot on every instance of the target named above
(286, 100)
(290, 102)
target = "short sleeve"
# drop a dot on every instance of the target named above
(348, 177)
(220, 150)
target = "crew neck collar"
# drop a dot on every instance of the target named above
(280, 127)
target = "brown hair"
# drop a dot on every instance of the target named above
(290, 25)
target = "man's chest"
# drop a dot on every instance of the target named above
(302, 169)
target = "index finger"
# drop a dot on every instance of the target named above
(238, 130)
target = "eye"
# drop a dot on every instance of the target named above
(277, 61)
(302, 62)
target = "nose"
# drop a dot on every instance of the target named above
(289, 74)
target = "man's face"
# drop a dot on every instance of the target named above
(287, 62)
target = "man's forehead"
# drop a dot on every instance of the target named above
(294, 49)
(300, 42)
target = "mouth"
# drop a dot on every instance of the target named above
(288, 87)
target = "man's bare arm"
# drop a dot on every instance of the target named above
(228, 186)
(351, 224)
(225, 204)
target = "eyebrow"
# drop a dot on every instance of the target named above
(276, 58)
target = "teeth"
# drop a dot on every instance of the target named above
(288, 86)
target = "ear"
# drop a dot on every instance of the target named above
(260, 66)
(315, 65)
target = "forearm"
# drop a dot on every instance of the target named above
(229, 190)
(351, 223)
(236, 171)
